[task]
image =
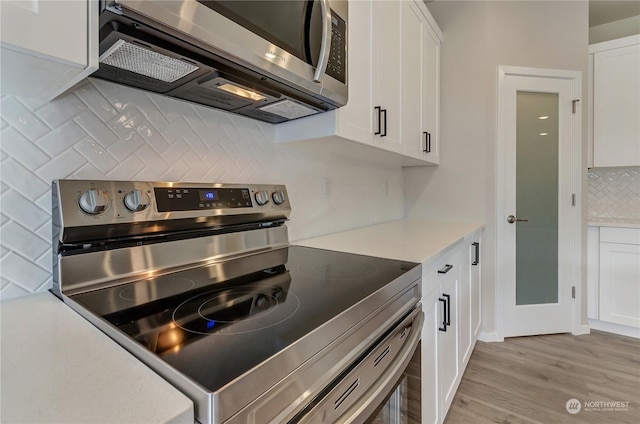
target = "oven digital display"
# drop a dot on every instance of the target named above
(174, 199)
(208, 195)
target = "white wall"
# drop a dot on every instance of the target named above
(101, 130)
(478, 37)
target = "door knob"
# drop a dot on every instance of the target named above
(512, 219)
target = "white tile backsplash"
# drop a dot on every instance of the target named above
(614, 193)
(102, 130)
(21, 118)
(61, 138)
(16, 145)
(60, 110)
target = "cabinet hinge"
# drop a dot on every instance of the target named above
(573, 292)
(573, 199)
(574, 105)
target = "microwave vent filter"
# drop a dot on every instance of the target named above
(142, 61)
(288, 109)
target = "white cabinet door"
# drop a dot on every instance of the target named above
(411, 79)
(420, 83)
(355, 120)
(431, 92)
(464, 310)
(47, 46)
(448, 358)
(620, 283)
(469, 300)
(476, 289)
(616, 107)
(386, 79)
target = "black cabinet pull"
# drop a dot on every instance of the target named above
(384, 134)
(379, 110)
(448, 309)
(476, 246)
(428, 142)
(444, 313)
(445, 269)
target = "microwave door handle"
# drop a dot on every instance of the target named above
(325, 47)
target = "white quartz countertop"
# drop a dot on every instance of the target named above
(56, 367)
(407, 240)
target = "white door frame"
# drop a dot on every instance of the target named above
(501, 280)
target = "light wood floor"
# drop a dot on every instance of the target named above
(530, 379)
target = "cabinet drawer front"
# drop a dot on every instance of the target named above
(620, 235)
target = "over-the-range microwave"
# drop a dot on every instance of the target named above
(269, 60)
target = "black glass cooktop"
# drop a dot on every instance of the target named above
(215, 322)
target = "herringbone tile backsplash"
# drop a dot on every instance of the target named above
(102, 130)
(614, 193)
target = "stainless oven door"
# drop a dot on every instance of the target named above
(372, 386)
(395, 409)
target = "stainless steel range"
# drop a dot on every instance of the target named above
(199, 281)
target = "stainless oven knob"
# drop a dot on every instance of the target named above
(93, 201)
(136, 201)
(262, 197)
(278, 197)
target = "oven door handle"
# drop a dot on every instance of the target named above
(370, 400)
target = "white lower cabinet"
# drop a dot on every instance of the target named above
(620, 276)
(451, 299)
(613, 279)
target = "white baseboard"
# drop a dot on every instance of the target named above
(489, 337)
(582, 329)
(623, 330)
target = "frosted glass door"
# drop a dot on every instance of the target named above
(537, 151)
(536, 198)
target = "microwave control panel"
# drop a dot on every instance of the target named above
(337, 66)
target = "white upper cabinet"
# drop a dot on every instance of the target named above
(47, 46)
(394, 60)
(616, 102)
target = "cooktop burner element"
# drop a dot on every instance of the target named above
(212, 296)
(248, 310)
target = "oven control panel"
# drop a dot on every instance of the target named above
(170, 199)
(90, 203)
